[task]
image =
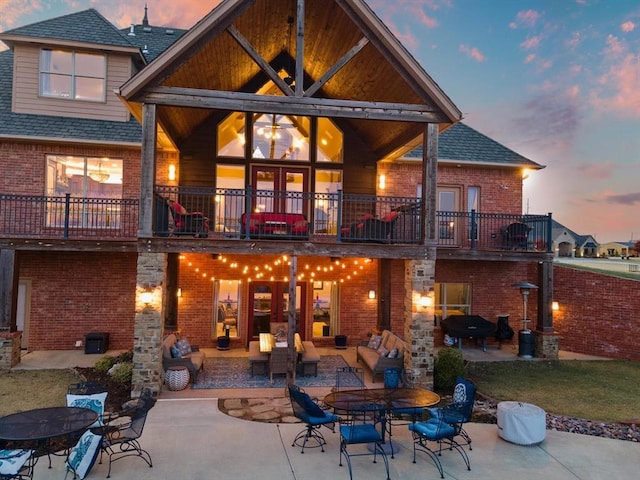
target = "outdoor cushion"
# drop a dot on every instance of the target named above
(11, 461)
(382, 351)
(393, 353)
(183, 346)
(83, 455)
(374, 342)
(93, 402)
(175, 351)
(312, 407)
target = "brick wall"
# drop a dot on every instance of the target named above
(598, 313)
(76, 293)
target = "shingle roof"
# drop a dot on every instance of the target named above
(464, 144)
(151, 40)
(87, 26)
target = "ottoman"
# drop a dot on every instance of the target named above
(521, 423)
(177, 378)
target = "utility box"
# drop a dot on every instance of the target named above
(97, 342)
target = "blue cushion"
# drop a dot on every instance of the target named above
(393, 353)
(433, 429)
(365, 433)
(312, 407)
(183, 346)
(175, 351)
(83, 455)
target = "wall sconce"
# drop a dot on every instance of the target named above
(425, 301)
(146, 297)
(179, 292)
(172, 172)
(382, 182)
(372, 294)
(555, 306)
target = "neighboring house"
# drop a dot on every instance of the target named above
(617, 249)
(567, 243)
(206, 214)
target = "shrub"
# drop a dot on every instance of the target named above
(105, 363)
(125, 357)
(122, 372)
(448, 365)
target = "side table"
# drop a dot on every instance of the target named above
(177, 378)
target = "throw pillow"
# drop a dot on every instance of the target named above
(11, 461)
(183, 346)
(383, 351)
(93, 402)
(175, 351)
(393, 353)
(83, 455)
(374, 342)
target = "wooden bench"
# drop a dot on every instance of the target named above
(309, 359)
(258, 361)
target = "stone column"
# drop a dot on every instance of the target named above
(419, 281)
(150, 292)
(10, 349)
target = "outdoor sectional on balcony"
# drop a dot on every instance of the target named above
(292, 226)
(371, 229)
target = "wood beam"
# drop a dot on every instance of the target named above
(429, 183)
(321, 107)
(147, 170)
(8, 289)
(299, 74)
(544, 322)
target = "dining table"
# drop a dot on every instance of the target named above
(268, 342)
(38, 428)
(381, 401)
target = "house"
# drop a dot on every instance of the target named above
(567, 243)
(280, 163)
(617, 249)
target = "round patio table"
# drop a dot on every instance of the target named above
(41, 425)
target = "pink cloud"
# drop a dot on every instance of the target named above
(13, 10)
(576, 39)
(530, 58)
(598, 171)
(622, 81)
(628, 26)
(614, 46)
(525, 18)
(531, 42)
(472, 52)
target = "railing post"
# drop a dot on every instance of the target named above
(67, 202)
(474, 229)
(549, 233)
(339, 219)
(247, 210)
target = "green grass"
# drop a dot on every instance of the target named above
(607, 391)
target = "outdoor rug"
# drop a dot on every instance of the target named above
(234, 372)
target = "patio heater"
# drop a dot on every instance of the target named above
(525, 336)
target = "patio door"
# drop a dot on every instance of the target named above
(269, 307)
(448, 209)
(280, 189)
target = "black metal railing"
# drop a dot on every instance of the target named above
(222, 213)
(68, 217)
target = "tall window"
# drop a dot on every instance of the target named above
(227, 301)
(452, 299)
(325, 214)
(92, 184)
(73, 75)
(229, 198)
(473, 203)
(326, 308)
(330, 141)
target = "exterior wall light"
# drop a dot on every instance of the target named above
(172, 172)
(382, 182)
(425, 301)
(372, 294)
(555, 306)
(146, 297)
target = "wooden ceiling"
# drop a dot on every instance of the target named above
(211, 58)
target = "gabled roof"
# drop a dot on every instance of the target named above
(462, 144)
(581, 240)
(229, 59)
(87, 26)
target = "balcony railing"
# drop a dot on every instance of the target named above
(221, 214)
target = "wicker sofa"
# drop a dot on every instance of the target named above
(376, 355)
(193, 360)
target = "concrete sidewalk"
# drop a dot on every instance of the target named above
(192, 439)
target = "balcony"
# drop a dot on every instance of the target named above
(221, 215)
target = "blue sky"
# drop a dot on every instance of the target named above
(555, 80)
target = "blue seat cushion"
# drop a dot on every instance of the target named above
(326, 417)
(433, 429)
(365, 433)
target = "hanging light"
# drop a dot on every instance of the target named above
(99, 176)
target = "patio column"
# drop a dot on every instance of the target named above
(546, 341)
(147, 332)
(419, 280)
(147, 170)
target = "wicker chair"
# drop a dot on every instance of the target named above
(278, 361)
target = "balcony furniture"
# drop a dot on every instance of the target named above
(171, 218)
(121, 438)
(258, 361)
(521, 423)
(468, 326)
(175, 354)
(307, 410)
(382, 352)
(436, 430)
(460, 410)
(289, 226)
(516, 236)
(17, 464)
(371, 229)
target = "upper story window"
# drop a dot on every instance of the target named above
(281, 137)
(72, 75)
(330, 141)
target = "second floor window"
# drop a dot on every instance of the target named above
(72, 75)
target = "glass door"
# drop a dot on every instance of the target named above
(280, 189)
(269, 309)
(448, 217)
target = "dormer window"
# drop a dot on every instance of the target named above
(72, 75)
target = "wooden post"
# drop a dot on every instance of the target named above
(147, 170)
(429, 184)
(8, 289)
(292, 321)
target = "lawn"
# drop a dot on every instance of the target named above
(607, 391)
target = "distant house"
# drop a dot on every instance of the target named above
(567, 243)
(616, 249)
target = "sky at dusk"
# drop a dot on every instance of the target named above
(558, 81)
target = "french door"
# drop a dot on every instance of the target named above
(269, 307)
(280, 189)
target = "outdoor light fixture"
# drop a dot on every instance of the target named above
(372, 294)
(382, 182)
(425, 301)
(146, 297)
(555, 306)
(179, 292)
(172, 172)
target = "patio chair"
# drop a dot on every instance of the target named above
(459, 410)
(358, 426)
(278, 361)
(436, 430)
(121, 438)
(515, 236)
(349, 378)
(17, 464)
(313, 416)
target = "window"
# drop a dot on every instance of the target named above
(325, 212)
(227, 303)
(452, 299)
(473, 203)
(92, 184)
(230, 197)
(72, 75)
(326, 302)
(330, 141)
(281, 137)
(231, 138)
